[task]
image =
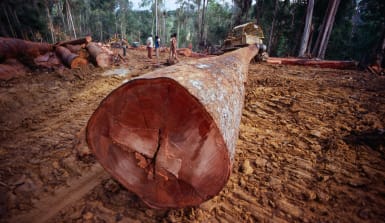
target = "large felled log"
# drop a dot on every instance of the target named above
(74, 48)
(184, 52)
(23, 50)
(170, 135)
(70, 59)
(335, 64)
(101, 58)
(79, 41)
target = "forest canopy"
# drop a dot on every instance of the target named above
(357, 31)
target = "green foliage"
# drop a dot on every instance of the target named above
(219, 22)
(369, 26)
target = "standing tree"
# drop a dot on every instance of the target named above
(306, 31)
(325, 30)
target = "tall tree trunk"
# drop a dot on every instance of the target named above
(272, 27)
(164, 27)
(70, 17)
(50, 24)
(308, 47)
(328, 29)
(61, 14)
(9, 23)
(203, 22)
(199, 21)
(156, 17)
(320, 45)
(201, 42)
(306, 31)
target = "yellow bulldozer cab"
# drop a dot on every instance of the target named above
(246, 34)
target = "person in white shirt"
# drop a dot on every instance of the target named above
(150, 44)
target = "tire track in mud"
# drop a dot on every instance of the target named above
(41, 153)
(49, 206)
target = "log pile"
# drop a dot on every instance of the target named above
(334, 64)
(172, 139)
(17, 57)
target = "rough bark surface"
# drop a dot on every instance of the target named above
(71, 60)
(335, 64)
(101, 58)
(170, 135)
(79, 41)
(17, 48)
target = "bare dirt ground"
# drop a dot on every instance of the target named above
(311, 149)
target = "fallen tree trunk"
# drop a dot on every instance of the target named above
(184, 52)
(75, 48)
(100, 57)
(70, 59)
(23, 50)
(170, 135)
(84, 40)
(335, 64)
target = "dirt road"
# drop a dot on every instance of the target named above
(311, 149)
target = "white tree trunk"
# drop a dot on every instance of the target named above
(306, 31)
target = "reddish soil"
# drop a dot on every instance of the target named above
(311, 149)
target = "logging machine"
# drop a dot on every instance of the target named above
(244, 35)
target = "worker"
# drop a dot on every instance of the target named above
(149, 46)
(173, 55)
(157, 45)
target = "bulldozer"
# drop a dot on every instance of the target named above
(244, 35)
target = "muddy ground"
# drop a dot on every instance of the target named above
(311, 149)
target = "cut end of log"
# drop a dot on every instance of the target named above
(160, 142)
(103, 60)
(79, 62)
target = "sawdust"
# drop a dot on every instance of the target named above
(311, 149)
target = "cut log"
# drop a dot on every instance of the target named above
(23, 50)
(74, 48)
(184, 52)
(70, 59)
(169, 136)
(84, 40)
(334, 64)
(100, 57)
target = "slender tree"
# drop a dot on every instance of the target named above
(272, 27)
(306, 31)
(327, 25)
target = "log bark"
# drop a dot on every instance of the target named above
(184, 52)
(74, 48)
(69, 59)
(100, 57)
(169, 136)
(334, 64)
(22, 49)
(79, 41)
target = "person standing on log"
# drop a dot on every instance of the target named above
(149, 46)
(157, 45)
(173, 46)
